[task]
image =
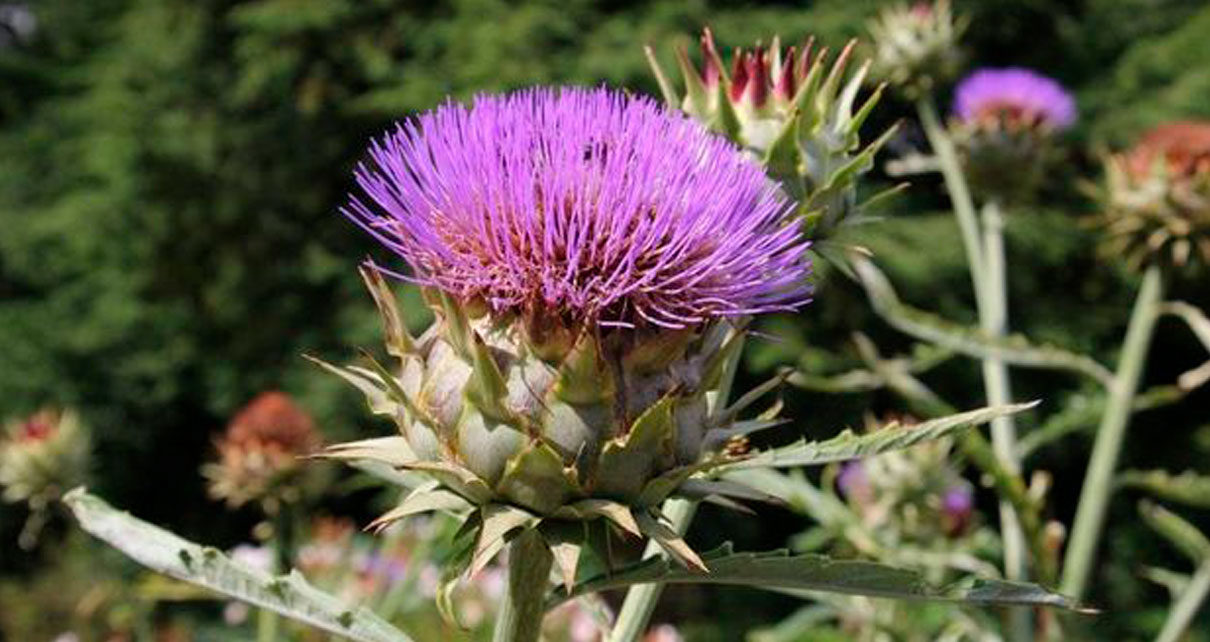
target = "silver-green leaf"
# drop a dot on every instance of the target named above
(850, 445)
(778, 570)
(162, 551)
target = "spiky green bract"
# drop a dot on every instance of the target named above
(537, 427)
(796, 111)
(916, 46)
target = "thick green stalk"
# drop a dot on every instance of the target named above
(283, 544)
(994, 321)
(955, 185)
(641, 599)
(1098, 481)
(1187, 605)
(986, 259)
(529, 563)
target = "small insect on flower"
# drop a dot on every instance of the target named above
(1156, 200)
(258, 455)
(591, 259)
(1004, 122)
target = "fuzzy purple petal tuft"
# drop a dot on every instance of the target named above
(587, 205)
(1015, 94)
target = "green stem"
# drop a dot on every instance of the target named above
(994, 321)
(1187, 605)
(283, 544)
(955, 185)
(987, 266)
(641, 599)
(529, 564)
(1098, 482)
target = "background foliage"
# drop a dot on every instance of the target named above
(170, 173)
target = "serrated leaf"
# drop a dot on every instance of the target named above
(778, 570)
(289, 595)
(1014, 350)
(1188, 488)
(850, 445)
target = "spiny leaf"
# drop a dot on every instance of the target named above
(290, 595)
(849, 445)
(1014, 350)
(1187, 488)
(778, 570)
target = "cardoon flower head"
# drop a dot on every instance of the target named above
(258, 455)
(41, 457)
(916, 46)
(591, 259)
(1004, 121)
(583, 206)
(795, 110)
(1013, 98)
(1157, 197)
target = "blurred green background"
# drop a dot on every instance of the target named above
(171, 170)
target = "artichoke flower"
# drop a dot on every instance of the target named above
(1156, 200)
(1004, 122)
(794, 111)
(916, 46)
(591, 259)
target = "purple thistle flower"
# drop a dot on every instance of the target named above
(583, 205)
(1015, 96)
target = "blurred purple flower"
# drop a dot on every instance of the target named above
(957, 508)
(1014, 96)
(587, 206)
(854, 482)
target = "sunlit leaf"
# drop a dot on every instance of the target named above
(290, 595)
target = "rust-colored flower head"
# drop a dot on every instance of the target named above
(259, 453)
(1157, 197)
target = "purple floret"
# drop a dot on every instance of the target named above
(585, 205)
(1016, 94)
